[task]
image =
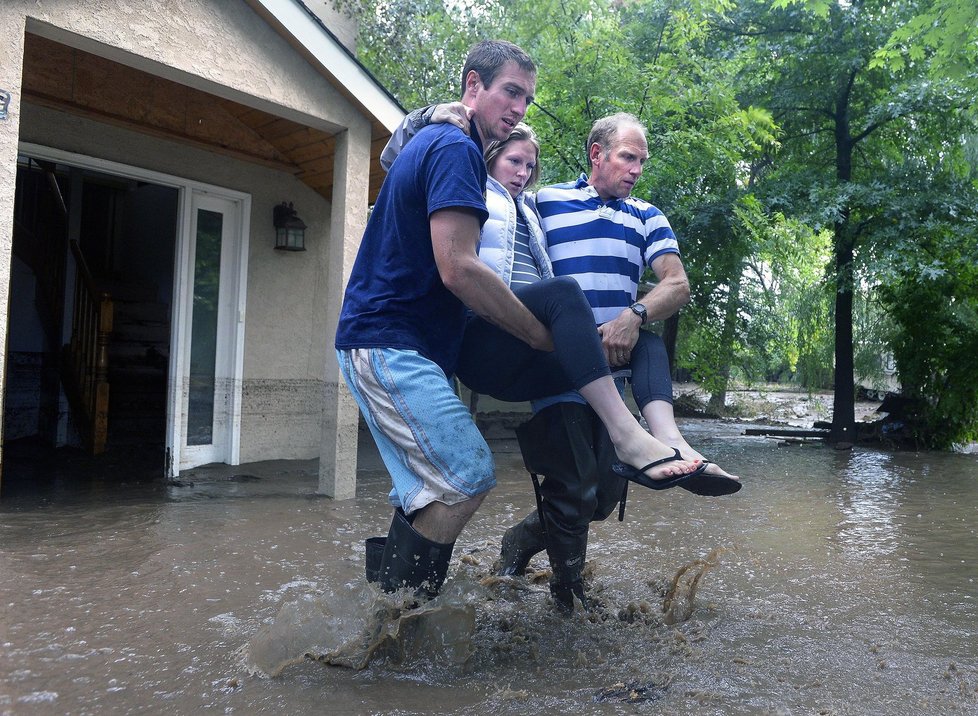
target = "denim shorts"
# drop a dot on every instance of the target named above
(432, 449)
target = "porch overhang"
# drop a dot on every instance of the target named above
(312, 39)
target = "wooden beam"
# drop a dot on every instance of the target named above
(53, 103)
(76, 82)
(787, 432)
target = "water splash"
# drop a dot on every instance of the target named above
(679, 600)
(364, 625)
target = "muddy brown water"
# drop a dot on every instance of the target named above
(838, 583)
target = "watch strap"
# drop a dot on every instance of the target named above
(639, 310)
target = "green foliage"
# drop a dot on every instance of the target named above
(941, 33)
(946, 30)
(415, 47)
(935, 353)
(783, 330)
(930, 291)
(849, 128)
(799, 148)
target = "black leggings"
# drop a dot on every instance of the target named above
(496, 363)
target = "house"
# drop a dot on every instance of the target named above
(147, 152)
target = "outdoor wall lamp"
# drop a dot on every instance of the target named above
(290, 230)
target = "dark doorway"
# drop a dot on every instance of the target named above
(124, 231)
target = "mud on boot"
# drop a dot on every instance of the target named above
(565, 594)
(567, 553)
(521, 543)
(413, 561)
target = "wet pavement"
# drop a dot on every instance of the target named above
(837, 583)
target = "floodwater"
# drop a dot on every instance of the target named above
(833, 583)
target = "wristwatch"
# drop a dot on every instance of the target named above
(639, 310)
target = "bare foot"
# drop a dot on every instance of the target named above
(641, 449)
(689, 453)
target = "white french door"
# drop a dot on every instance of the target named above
(205, 399)
(203, 410)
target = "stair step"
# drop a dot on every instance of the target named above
(125, 291)
(140, 332)
(137, 356)
(145, 312)
(135, 404)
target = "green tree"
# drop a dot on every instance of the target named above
(799, 147)
(929, 286)
(845, 124)
(945, 30)
(414, 47)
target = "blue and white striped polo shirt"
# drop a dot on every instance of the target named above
(604, 245)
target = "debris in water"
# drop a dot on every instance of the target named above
(678, 603)
(631, 693)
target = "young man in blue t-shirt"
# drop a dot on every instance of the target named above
(403, 317)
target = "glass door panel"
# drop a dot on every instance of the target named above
(211, 339)
(204, 327)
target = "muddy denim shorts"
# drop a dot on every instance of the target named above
(426, 436)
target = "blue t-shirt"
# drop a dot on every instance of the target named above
(395, 297)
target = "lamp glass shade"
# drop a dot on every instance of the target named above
(290, 230)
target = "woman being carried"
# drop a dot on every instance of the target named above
(495, 363)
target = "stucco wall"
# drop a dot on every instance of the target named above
(11, 57)
(223, 47)
(220, 46)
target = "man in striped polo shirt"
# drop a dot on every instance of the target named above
(605, 238)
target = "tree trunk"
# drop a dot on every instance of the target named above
(844, 400)
(718, 399)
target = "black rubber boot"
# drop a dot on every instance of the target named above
(567, 445)
(567, 554)
(412, 560)
(375, 553)
(521, 543)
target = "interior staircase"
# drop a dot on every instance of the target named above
(138, 364)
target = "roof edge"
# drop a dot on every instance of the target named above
(299, 21)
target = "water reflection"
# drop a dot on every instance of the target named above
(844, 584)
(870, 490)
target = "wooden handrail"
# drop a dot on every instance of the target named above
(82, 271)
(91, 327)
(85, 359)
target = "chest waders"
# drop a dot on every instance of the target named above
(569, 447)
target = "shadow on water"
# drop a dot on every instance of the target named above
(35, 474)
(834, 583)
